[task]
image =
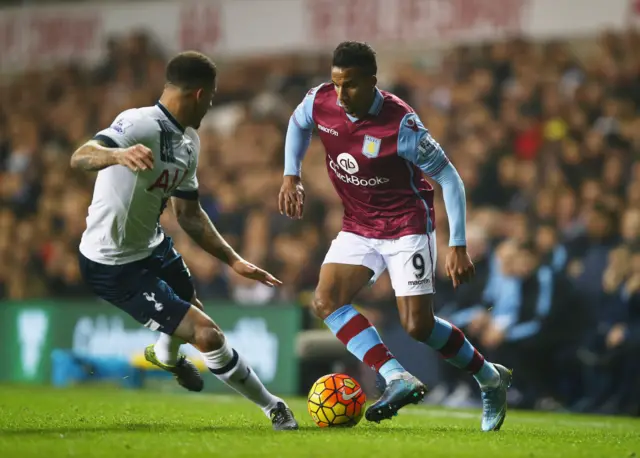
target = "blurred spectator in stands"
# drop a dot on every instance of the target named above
(588, 253)
(609, 355)
(552, 252)
(535, 315)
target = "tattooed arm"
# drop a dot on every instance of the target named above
(94, 155)
(121, 143)
(195, 222)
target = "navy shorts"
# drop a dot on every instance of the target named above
(156, 291)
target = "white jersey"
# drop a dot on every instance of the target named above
(123, 222)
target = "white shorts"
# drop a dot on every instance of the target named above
(410, 259)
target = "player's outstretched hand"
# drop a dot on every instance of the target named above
(248, 270)
(136, 157)
(291, 197)
(459, 266)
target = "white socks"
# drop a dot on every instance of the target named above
(167, 348)
(229, 367)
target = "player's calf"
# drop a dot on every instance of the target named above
(494, 380)
(416, 314)
(364, 342)
(420, 330)
(338, 284)
(356, 332)
(228, 366)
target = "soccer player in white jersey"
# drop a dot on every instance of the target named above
(147, 158)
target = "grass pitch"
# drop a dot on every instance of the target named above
(107, 422)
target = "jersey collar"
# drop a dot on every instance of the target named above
(376, 106)
(375, 109)
(171, 118)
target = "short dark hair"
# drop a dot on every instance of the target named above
(355, 54)
(190, 70)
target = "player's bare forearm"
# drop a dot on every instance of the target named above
(92, 156)
(196, 223)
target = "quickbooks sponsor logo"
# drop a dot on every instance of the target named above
(354, 180)
(33, 326)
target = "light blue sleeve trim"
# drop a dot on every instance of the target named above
(455, 202)
(299, 134)
(303, 114)
(295, 147)
(417, 146)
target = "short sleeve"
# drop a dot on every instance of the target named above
(416, 145)
(128, 129)
(188, 188)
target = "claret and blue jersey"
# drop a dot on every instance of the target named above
(376, 165)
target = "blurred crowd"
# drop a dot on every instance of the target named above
(548, 145)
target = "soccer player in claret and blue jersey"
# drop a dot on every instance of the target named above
(147, 158)
(377, 151)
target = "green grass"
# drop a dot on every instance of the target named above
(107, 422)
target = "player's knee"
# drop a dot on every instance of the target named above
(420, 328)
(323, 305)
(208, 337)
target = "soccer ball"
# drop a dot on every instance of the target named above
(336, 400)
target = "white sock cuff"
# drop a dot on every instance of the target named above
(167, 349)
(221, 360)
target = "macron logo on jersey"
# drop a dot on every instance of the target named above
(328, 131)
